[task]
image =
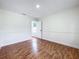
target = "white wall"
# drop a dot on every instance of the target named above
(14, 27)
(62, 27)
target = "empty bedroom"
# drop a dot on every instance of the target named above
(39, 29)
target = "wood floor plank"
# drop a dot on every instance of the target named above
(36, 48)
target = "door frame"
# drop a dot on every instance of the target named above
(41, 30)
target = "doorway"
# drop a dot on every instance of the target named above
(37, 28)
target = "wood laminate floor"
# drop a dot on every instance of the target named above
(38, 49)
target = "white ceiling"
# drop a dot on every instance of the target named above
(29, 6)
